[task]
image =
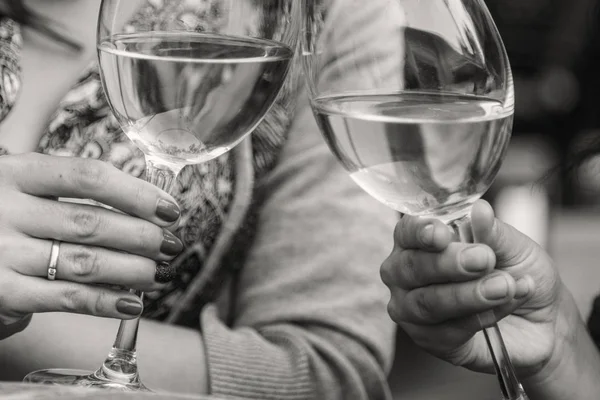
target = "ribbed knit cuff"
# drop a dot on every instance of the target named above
(246, 364)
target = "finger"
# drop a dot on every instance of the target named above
(455, 332)
(87, 224)
(459, 262)
(422, 233)
(438, 303)
(524, 291)
(40, 295)
(85, 264)
(509, 245)
(86, 178)
(447, 338)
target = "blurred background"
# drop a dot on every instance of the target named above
(553, 46)
(554, 49)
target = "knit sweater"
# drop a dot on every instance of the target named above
(309, 319)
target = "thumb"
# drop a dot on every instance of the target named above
(510, 246)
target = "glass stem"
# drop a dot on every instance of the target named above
(121, 363)
(509, 383)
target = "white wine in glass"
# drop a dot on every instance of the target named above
(415, 98)
(186, 98)
(418, 153)
(184, 90)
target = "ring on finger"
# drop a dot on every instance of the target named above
(54, 253)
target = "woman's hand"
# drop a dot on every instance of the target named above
(99, 248)
(442, 292)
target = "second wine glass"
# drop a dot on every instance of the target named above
(187, 80)
(415, 98)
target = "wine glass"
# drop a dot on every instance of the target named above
(415, 98)
(187, 80)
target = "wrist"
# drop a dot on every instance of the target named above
(572, 370)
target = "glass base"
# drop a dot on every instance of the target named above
(81, 378)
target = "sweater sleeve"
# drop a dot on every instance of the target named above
(310, 319)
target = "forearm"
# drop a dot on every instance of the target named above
(575, 371)
(170, 358)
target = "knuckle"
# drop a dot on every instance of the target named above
(84, 263)
(406, 232)
(74, 300)
(86, 222)
(393, 311)
(409, 273)
(422, 308)
(90, 174)
(148, 237)
(99, 304)
(386, 272)
(141, 193)
(456, 297)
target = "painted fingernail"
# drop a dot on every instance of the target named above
(171, 246)
(167, 210)
(523, 288)
(427, 234)
(474, 259)
(165, 272)
(495, 288)
(129, 307)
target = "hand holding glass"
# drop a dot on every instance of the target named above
(184, 90)
(415, 99)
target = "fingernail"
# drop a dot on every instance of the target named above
(523, 288)
(129, 307)
(171, 246)
(427, 235)
(495, 288)
(167, 210)
(165, 272)
(474, 259)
